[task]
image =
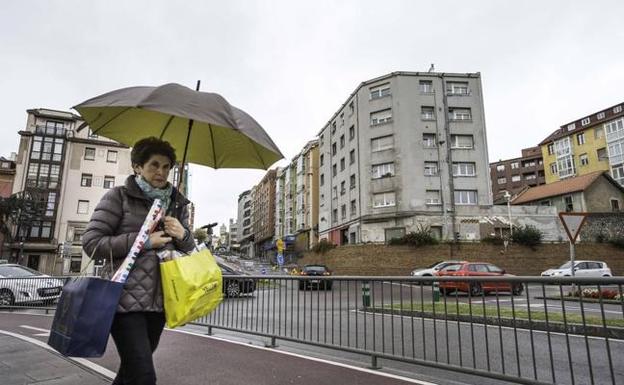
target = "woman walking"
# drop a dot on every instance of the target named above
(115, 223)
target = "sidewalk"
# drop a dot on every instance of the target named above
(26, 362)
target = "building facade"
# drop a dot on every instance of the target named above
(407, 149)
(264, 214)
(517, 174)
(233, 239)
(592, 143)
(244, 230)
(68, 172)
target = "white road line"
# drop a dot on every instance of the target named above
(34, 328)
(42, 334)
(370, 371)
(82, 361)
(490, 326)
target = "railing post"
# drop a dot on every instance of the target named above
(374, 364)
(209, 332)
(366, 294)
(436, 291)
(272, 344)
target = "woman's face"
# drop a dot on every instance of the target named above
(155, 171)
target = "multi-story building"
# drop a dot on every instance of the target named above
(68, 172)
(264, 214)
(593, 143)
(309, 193)
(515, 175)
(233, 240)
(280, 203)
(245, 233)
(7, 175)
(404, 150)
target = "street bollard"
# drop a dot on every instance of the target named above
(436, 291)
(366, 293)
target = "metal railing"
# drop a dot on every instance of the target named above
(529, 330)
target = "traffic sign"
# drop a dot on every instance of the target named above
(572, 223)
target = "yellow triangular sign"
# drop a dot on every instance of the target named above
(572, 223)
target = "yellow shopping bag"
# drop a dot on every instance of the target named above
(192, 287)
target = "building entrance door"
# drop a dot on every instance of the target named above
(33, 262)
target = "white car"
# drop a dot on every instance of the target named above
(430, 270)
(581, 269)
(21, 285)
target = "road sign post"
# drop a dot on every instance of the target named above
(572, 223)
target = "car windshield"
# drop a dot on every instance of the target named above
(565, 265)
(316, 269)
(229, 268)
(434, 265)
(17, 272)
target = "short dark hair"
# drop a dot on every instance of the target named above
(145, 148)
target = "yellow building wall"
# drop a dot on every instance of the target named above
(590, 147)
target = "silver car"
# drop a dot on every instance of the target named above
(581, 269)
(430, 270)
(21, 285)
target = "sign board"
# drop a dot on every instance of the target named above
(572, 223)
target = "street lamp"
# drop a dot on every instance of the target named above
(508, 197)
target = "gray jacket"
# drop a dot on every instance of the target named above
(112, 230)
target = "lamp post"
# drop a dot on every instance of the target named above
(508, 197)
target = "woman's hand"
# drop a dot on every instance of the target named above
(158, 239)
(174, 228)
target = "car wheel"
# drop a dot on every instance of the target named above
(475, 289)
(606, 275)
(232, 289)
(517, 289)
(7, 298)
(445, 291)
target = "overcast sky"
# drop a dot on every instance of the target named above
(291, 64)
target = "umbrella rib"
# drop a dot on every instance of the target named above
(256, 150)
(110, 120)
(166, 127)
(214, 151)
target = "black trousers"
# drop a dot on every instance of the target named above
(136, 336)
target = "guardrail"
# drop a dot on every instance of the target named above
(529, 330)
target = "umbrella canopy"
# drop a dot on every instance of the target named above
(203, 126)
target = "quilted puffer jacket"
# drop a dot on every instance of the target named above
(112, 230)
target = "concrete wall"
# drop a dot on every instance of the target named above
(400, 260)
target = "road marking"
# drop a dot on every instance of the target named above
(34, 328)
(491, 326)
(347, 366)
(81, 361)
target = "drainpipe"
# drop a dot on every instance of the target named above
(449, 159)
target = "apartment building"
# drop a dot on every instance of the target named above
(592, 143)
(67, 172)
(264, 214)
(233, 239)
(245, 225)
(404, 150)
(517, 174)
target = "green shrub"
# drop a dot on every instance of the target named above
(493, 240)
(323, 246)
(422, 236)
(527, 235)
(602, 237)
(617, 242)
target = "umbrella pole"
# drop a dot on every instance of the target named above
(188, 137)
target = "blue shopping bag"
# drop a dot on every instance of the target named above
(84, 316)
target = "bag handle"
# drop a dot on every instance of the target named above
(91, 259)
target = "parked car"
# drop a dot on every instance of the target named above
(235, 287)
(430, 270)
(21, 285)
(477, 269)
(581, 269)
(315, 271)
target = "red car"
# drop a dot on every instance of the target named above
(477, 269)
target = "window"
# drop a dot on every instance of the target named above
(429, 140)
(89, 153)
(566, 168)
(551, 149)
(343, 190)
(335, 191)
(617, 172)
(529, 163)
(352, 181)
(500, 168)
(553, 168)
(393, 233)
(425, 86)
(380, 91)
(432, 197)
(386, 199)
(502, 180)
(529, 176)
(612, 129)
(464, 169)
(333, 130)
(431, 168)
(351, 108)
(427, 113)
(83, 207)
(343, 212)
(462, 141)
(322, 159)
(571, 126)
(342, 141)
(580, 138)
(351, 132)
(516, 178)
(584, 159)
(352, 157)
(55, 171)
(615, 205)
(51, 204)
(598, 133)
(322, 139)
(515, 165)
(109, 182)
(457, 88)
(465, 197)
(341, 119)
(334, 170)
(342, 164)
(383, 170)
(600, 115)
(334, 148)
(353, 207)
(585, 121)
(602, 154)
(335, 215)
(382, 143)
(381, 117)
(617, 109)
(322, 179)
(86, 180)
(459, 114)
(569, 204)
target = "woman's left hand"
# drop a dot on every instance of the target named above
(174, 228)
